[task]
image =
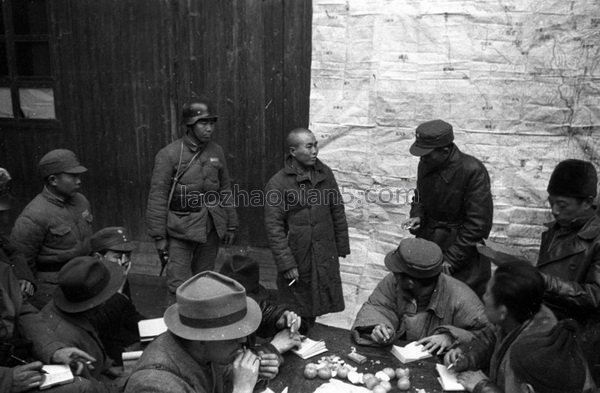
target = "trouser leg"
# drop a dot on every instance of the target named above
(205, 254)
(179, 266)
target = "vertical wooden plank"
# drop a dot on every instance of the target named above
(125, 67)
(274, 68)
(297, 58)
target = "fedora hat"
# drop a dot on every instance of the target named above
(499, 254)
(212, 307)
(86, 282)
(244, 270)
(418, 258)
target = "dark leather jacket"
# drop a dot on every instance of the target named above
(569, 260)
(454, 202)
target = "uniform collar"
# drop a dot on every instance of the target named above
(318, 171)
(438, 300)
(192, 143)
(448, 167)
(54, 198)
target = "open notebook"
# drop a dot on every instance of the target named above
(410, 352)
(151, 328)
(448, 380)
(57, 374)
(310, 348)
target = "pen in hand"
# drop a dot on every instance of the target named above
(453, 364)
(18, 359)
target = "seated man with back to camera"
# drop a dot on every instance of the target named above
(279, 323)
(513, 304)
(419, 302)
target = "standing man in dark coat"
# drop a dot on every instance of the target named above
(569, 257)
(307, 229)
(190, 206)
(56, 225)
(453, 203)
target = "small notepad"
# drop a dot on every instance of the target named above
(310, 348)
(448, 379)
(410, 352)
(151, 328)
(57, 374)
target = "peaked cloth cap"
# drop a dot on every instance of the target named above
(418, 258)
(59, 161)
(192, 112)
(87, 282)
(573, 178)
(212, 307)
(112, 238)
(430, 135)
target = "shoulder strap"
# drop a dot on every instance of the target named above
(180, 172)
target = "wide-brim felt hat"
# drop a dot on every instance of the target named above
(212, 307)
(416, 257)
(499, 254)
(244, 270)
(87, 282)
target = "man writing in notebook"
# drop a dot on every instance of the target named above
(18, 370)
(513, 303)
(418, 302)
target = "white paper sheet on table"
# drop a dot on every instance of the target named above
(337, 386)
(448, 379)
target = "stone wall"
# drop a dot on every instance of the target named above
(517, 79)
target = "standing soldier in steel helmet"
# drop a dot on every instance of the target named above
(190, 208)
(56, 225)
(453, 203)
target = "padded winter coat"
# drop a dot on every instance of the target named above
(307, 229)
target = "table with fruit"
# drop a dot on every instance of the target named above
(381, 373)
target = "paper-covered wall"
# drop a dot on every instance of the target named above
(519, 81)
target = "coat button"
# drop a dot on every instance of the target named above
(572, 266)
